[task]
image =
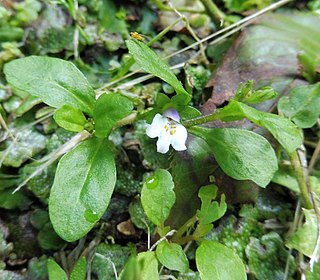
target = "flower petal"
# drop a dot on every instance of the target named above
(156, 126)
(163, 143)
(178, 140)
(172, 114)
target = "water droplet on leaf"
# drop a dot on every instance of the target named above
(91, 216)
(152, 182)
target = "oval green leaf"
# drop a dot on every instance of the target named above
(286, 132)
(302, 105)
(142, 267)
(57, 82)
(304, 239)
(82, 188)
(55, 271)
(79, 271)
(149, 266)
(70, 118)
(157, 196)
(241, 154)
(172, 256)
(150, 62)
(216, 261)
(109, 109)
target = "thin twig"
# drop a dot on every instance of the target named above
(214, 12)
(52, 157)
(170, 233)
(240, 22)
(149, 234)
(5, 127)
(234, 28)
(192, 33)
(111, 262)
(290, 232)
(314, 158)
(298, 167)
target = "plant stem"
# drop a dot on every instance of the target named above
(314, 157)
(126, 67)
(184, 228)
(299, 173)
(130, 119)
(214, 12)
(163, 32)
(161, 6)
(202, 119)
(192, 33)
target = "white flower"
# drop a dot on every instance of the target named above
(169, 131)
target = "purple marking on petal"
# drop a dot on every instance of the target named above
(172, 114)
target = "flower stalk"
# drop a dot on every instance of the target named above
(215, 13)
(298, 171)
(217, 115)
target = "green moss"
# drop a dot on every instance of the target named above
(236, 233)
(29, 143)
(37, 268)
(5, 248)
(40, 184)
(126, 184)
(267, 257)
(106, 255)
(57, 139)
(139, 217)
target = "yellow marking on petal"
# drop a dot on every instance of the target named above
(166, 128)
(172, 131)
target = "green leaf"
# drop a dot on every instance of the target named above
(305, 239)
(9, 200)
(150, 62)
(241, 154)
(281, 128)
(57, 82)
(55, 271)
(302, 105)
(157, 196)
(149, 265)
(172, 256)
(161, 99)
(131, 270)
(315, 274)
(79, 270)
(106, 256)
(82, 188)
(48, 239)
(30, 142)
(190, 170)
(28, 104)
(246, 94)
(285, 176)
(70, 118)
(10, 33)
(142, 267)
(216, 261)
(110, 18)
(210, 210)
(109, 109)
(202, 230)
